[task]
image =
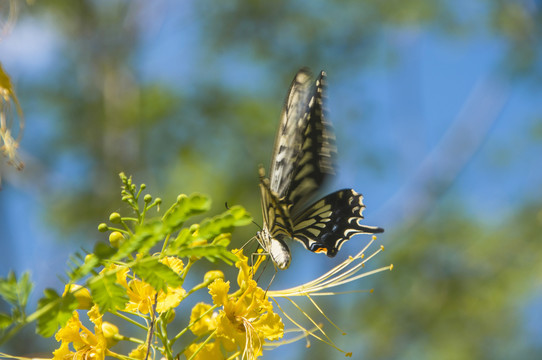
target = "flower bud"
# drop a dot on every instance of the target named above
(103, 227)
(212, 275)
(81, 294)
(170, 316)
(110, 333)
(115, 218)
(115, 239)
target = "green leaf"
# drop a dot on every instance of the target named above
(158, 275)
(186, 207)
(24, 288)
(91, 262)
(107, 293)
(56, 311)
(5, 320)
(16, 292)
(225, 222)
(8, 289)
(184, 237)
(241, 216)
(210, 252)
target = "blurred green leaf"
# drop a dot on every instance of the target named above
(16, 292)
(56, 311)
(5, 320)
(186, 207)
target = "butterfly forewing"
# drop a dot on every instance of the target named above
(289, 136)
(329, 222)
(315, 159)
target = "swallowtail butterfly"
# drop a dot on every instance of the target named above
(302, 160)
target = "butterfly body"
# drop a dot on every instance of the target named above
(302, 160)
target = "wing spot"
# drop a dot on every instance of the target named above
(321, 250)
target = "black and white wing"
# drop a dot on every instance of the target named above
(302, 160)
(325, 225)
(288, 140)
(304, 146)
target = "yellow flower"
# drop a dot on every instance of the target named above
(141, 294)
(174, 263)
(245, 322)
(210, 351)
(140, 352)
(86, 345)
(206, 323)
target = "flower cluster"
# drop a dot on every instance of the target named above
(244, 323)
(127, 281)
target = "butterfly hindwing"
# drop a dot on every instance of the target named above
(329, 222)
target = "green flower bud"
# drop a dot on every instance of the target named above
(110, 333)
(103, 227)
(115, 239)
(147, 198)
(212, 275)
(115, 218)
(170, 316)
(81, 294)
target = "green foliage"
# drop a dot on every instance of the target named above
(109, 295)
(133, 239)
(5, 321)
(16, 292)
(158, 275)
(54, 311)
(186, 207)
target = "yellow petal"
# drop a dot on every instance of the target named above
(70, 332)
(174, 263)
(171, 299)
(141, 296)
(219, 291)
(95, 316)
(139, 353)
(63, 352)
(204, 325)
(210, 351)
(269, 326)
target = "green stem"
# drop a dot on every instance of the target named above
(132, 321)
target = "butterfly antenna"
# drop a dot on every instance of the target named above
(254, 222)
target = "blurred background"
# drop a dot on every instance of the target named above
(437, 109)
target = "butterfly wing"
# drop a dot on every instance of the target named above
(275, 212)
(325, 225)
(289, 136)
(315, 159)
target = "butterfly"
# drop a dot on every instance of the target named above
(302, 159)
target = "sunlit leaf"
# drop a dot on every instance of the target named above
(107, 293)
(56, 310)
(158, 275)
